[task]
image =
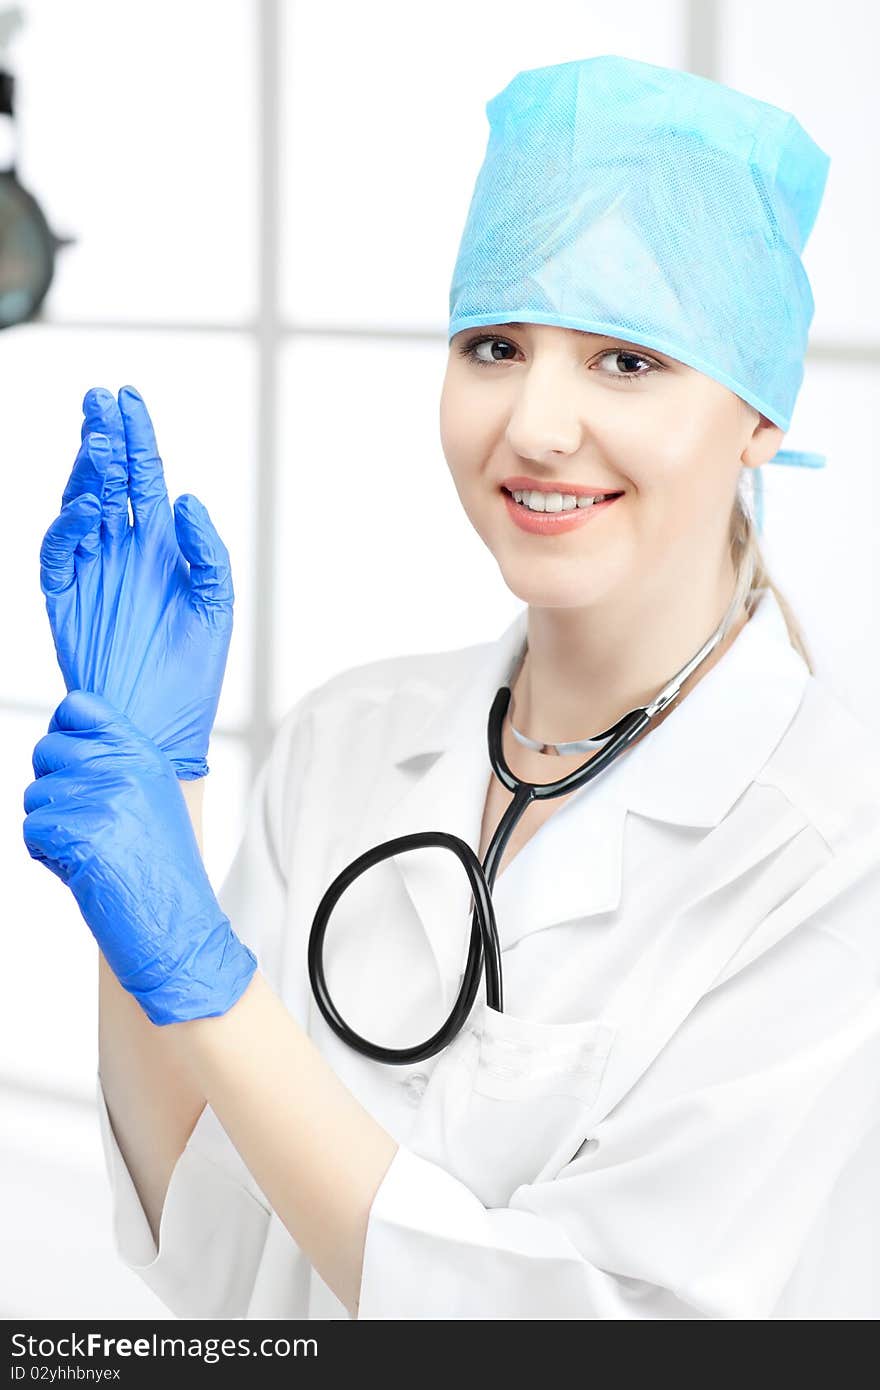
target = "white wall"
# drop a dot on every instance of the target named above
(244, 263)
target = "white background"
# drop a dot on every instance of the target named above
(267, 200)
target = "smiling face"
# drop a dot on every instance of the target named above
(560, 406)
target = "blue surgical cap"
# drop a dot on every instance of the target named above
(653, 205)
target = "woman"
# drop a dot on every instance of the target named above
(676, 1114)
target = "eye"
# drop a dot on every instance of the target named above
(619, 354)
(468, 350)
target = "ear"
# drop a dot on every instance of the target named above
(765, 440)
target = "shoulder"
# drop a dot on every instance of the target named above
(418, 676)
(392, 694)
(828, 764)
(336, 755)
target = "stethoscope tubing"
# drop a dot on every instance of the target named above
(484, 943)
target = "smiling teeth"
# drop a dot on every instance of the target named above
(556, 501)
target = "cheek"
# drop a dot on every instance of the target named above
(650, 443)
(447, 413)
(683, 505)
(467, 436)
(677, 457)
(453, 416)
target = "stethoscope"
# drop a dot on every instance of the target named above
(484, 943)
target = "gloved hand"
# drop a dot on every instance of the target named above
(142, 613)
(107, 816)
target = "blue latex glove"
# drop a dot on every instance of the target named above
(107, 816)
(142, 613)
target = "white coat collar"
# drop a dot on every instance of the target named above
(688, 771)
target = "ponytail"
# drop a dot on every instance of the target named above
(746, 553)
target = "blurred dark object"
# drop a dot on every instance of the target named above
(27, 244)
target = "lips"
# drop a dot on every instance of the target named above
(558, 522)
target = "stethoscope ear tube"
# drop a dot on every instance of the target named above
(616, 739)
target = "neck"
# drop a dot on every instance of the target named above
(585, 668)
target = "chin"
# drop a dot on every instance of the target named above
(551, 590)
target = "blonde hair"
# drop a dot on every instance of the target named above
(748, 560)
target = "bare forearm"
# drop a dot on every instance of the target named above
(193, 791)
(316, 1153)
(152, 1101)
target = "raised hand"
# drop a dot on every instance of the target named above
(141, 612)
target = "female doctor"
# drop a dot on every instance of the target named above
(676, 1113)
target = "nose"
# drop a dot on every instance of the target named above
(545, 424)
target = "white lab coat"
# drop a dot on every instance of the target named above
(678, 1113)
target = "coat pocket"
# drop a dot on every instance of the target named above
(505, 1095)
